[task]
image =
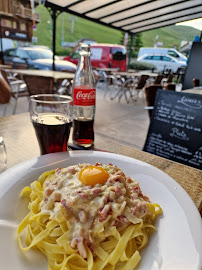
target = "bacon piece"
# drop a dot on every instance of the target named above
(140, 209)
(104, 212)
(90, 246)
(118, 178)
(49, 191)
(96, 190)
(57, 171)
(123, 219)
(138, 190)
(72, 170)
(67, 204)
(110, 164)
(129, 180)
(97, 164)
(81, 246)
(117, 190)
(81, 194)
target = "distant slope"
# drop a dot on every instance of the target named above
(170, 36)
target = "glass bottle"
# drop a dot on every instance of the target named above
(84, 100)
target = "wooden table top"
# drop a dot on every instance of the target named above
(56, 75)
(135, 74)
(21, 145)
(196, 90)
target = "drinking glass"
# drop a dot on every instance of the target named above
(3, 155)
(51, 116)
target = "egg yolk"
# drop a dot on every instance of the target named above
(93, 175)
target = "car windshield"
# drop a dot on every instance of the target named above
(39, 54)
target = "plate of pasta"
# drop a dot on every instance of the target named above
(90, 210)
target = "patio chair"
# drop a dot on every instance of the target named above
(65, 88)
(39, 84)
(169, 79)
(158, 79)
(150, 95)
(170, 86)
(18, 87)
(133, 87)
(115, 85)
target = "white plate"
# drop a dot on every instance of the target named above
(176, 246)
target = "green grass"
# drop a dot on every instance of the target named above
(170, 36)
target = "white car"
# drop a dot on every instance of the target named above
(162, 51)
(163, 62)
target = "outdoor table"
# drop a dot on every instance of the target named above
(196, 90)
(135, 74)
(56, 75)
(5, 66)
(21, 145)
(108, 70)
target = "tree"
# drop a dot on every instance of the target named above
(137, 43)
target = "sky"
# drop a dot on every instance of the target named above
(194, 23)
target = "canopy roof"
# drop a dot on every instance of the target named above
(131, 16)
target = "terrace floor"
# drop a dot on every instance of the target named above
(119, 121)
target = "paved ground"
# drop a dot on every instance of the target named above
(126, 123)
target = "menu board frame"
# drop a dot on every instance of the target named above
(175, 130)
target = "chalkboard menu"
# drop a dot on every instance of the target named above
(175, 131)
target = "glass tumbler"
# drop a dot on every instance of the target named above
(51, 116)
(3, 155)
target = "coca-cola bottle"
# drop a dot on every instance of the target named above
(83, 100)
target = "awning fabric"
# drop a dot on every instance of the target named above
(132, 16)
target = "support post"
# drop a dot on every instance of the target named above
(130, 51)
(53, 36)
(2, 51)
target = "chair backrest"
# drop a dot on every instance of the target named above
(129, 83)
(158, 79)
(170, 78)
(39, 84)
(150, 95)
(142, 81)
(170, 86)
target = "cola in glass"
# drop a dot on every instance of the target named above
(52, 132)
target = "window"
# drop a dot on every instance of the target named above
(148, 58)
(119, 54)
(156, 57)
(10, 53)
(22, 54)
(39, 54)
(173, 53)
(75, 55)
(23, 27)
(165, 58)
(96, 53)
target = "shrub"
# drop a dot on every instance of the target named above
(141, 65)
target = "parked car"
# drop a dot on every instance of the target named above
(35, 58)
(103, 56)
(163, 51)
(164, 62)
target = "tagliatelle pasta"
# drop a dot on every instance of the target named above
(87, 227)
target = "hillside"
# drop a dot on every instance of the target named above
(170, 35)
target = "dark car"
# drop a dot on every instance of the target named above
(35, 58)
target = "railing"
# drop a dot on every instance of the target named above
(26, 13)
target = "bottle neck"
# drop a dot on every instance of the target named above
(85, 62)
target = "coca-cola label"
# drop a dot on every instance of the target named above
(84, 97)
